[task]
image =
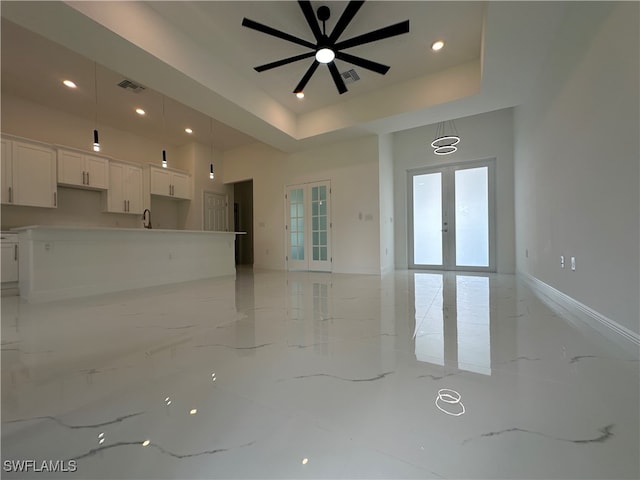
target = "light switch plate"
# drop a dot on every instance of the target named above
(573, 263)
(561, 261)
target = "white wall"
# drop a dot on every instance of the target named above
(196, 159)
(385, 175)
(577, 163)
(352, 168)
(266, 166)
(83, 207)
(484, 136)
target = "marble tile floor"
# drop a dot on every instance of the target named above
(310, 375)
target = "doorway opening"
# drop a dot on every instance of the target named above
(243, 221)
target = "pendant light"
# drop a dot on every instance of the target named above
(164, 152)
(211, 175)
(446, 138)
(96, 141)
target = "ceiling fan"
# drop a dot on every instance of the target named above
(327, 47)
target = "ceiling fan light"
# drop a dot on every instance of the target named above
(325, 55)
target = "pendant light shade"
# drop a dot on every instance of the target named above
(211, 171)
(164, 159)
(96, 142)
(446, 138)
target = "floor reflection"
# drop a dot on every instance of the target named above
(453, 320)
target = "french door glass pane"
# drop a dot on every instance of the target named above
(427, 219)
(472, 217)
(296, 221)
(319, 222)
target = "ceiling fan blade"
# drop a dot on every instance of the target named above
(345, 19)
(337, 79)
(284, 61)
(386, 32)
(276, 33)
(309, 14)
(363, 62)
(306, 77)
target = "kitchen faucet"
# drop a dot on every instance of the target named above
(146, 221)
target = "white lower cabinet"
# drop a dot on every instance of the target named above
(77, 169)
(125, 193)
(28, 174)
(9, 258)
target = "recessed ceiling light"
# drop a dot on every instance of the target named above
(437, 45)
(188, 130)
(140, 111)
(69, 84)
(300, 94)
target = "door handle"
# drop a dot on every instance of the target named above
(15, 252)
(88, 183)
(83, 180)
(55, 199)
(445, 230)
(10, 195)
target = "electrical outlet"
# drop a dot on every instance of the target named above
(561, 261)
(573, 263)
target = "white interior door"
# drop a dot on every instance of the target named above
(308, 226)
(452, 217)
(215, 212)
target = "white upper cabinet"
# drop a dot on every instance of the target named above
(79, 169)
(170, 183)
(28, 174)
(125, 194)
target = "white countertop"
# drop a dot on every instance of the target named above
(88, 228)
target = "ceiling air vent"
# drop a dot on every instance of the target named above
(350, 76)
(131, 86)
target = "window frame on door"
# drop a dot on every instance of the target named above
(448, 195)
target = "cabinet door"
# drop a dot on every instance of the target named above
(9, 262)
(134, 189)
(97, 172)
(180, 184)
(70, 168)
(160, 182)
(115, 194)
(7, 173)
(34, 175)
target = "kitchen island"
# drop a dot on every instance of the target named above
(59, 262)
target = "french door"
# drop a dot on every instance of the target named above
(451, 217)
(308, 226)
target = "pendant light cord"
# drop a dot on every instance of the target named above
(95, 78)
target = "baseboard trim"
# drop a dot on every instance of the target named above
(581, 311)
